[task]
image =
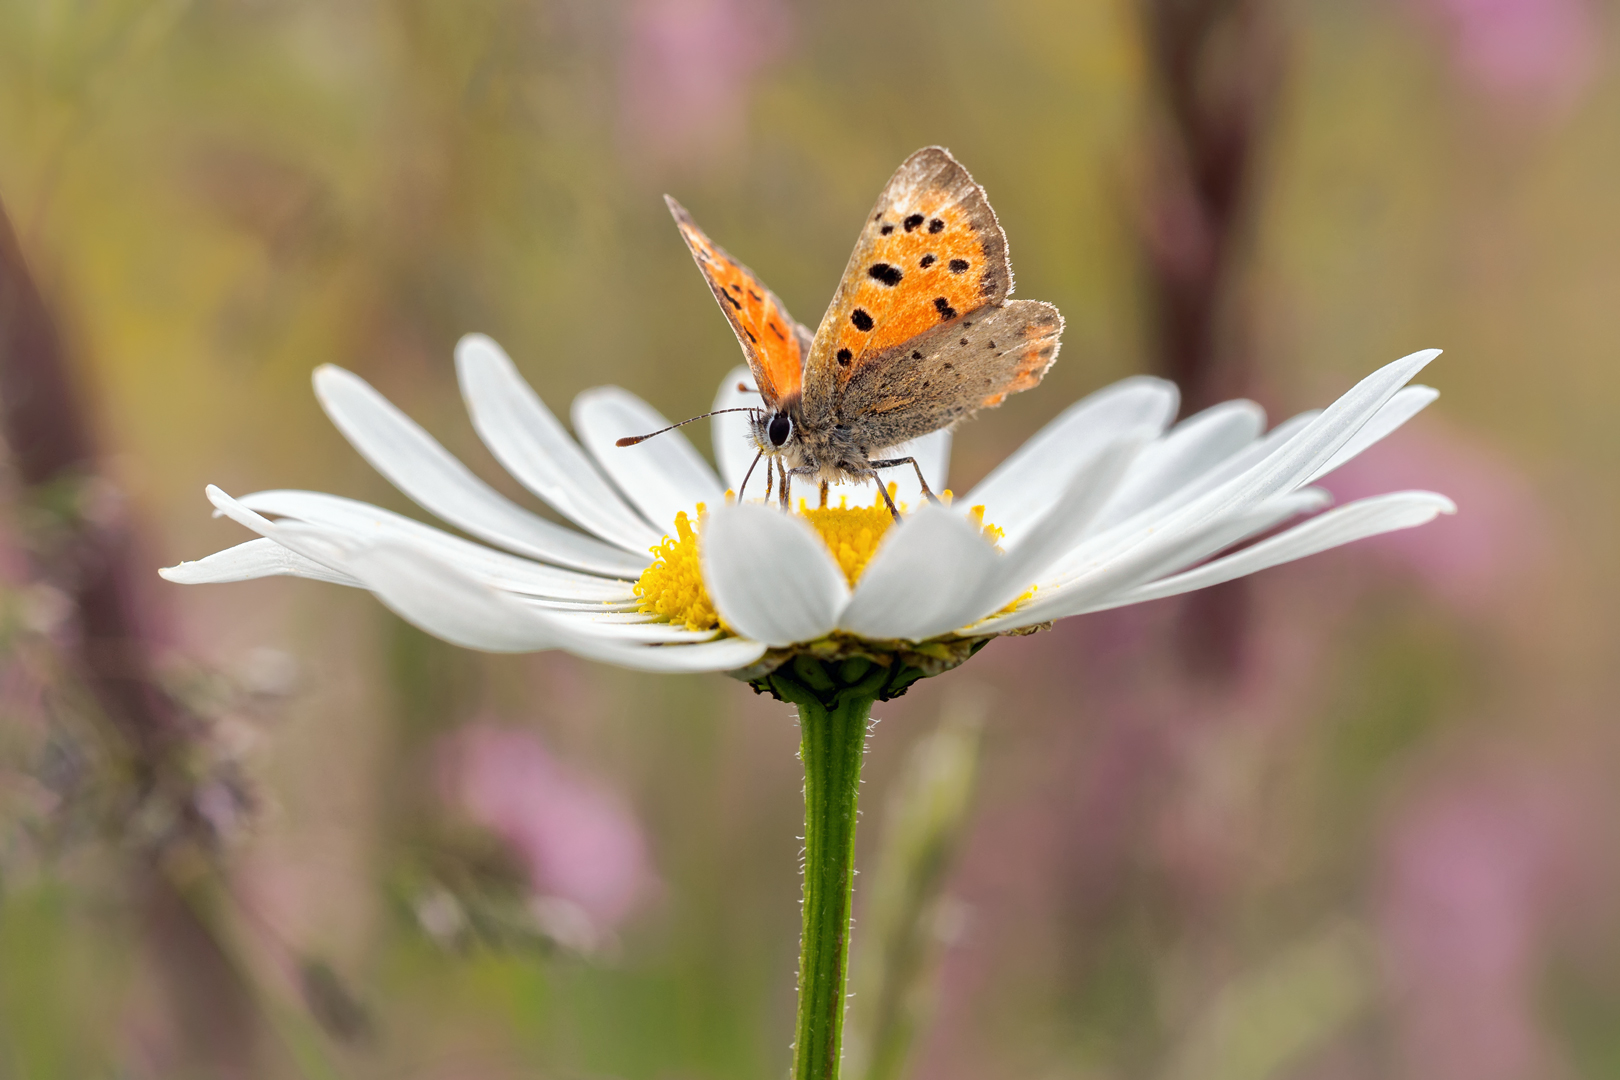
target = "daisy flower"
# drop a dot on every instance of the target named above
(830, 608)
(1111, 503)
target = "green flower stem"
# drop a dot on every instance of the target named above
(834, 702)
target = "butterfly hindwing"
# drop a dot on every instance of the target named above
(951, 371)
(773, 342)
(930, 252)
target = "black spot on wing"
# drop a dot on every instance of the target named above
(845, 356)
(926, 261)
(913, 221)
(958, 266)
(862, 321)
(886, 230)
(755, 296)
(943, 306)
(936, 226)
(915, 355)
(889, 275)
(728, 298)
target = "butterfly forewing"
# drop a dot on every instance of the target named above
(931, 251)
(949, 372)
(920, 333)
(773, 342)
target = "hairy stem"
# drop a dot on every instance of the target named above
(834, 702)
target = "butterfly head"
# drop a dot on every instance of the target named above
(772, 430)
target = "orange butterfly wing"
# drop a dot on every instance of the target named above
(930, 252)
(774, 344)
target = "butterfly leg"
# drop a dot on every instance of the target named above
(883, 489)
(892, 462)
(824, 494)
(785, 489)
(770, 479)
(803, 470)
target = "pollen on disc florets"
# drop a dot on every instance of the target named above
(672, 587)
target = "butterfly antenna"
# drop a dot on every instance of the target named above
(631, 440)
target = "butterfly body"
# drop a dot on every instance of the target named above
(919, 336)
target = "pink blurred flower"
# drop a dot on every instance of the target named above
(1472, 874)
(1470, 557)
(577, 837)
(686, 71)
(1540, 53)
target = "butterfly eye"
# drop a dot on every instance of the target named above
(781, 429)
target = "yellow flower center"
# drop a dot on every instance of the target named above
(672, 587)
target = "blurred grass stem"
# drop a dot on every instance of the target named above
(907, 919)
(91, 558)
(834, 703)
(1218, 67)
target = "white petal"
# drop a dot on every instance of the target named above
(1059, 601)
(661, 476)
(1119, 558)
(534, 447)
(770, 575)
(255, 559)
(323, 546)
(436, 597)
(734, 449)
(727, 654)
(928, 576)
(1055, 534)
(445, 601)
(611, 628)
(497, 569)
(1396, 411)
(416, 464)
(1268, 515)
(1286, 467)
(448, 604)
(1103, 538)
(1021, 488)
(1354, 521)
(1232, 466)
(1225, 532)
(1189, 450)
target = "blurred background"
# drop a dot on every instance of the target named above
(1357, 817)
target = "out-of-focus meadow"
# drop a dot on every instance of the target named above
(1355, 818)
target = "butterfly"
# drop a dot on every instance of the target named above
(919, 336)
